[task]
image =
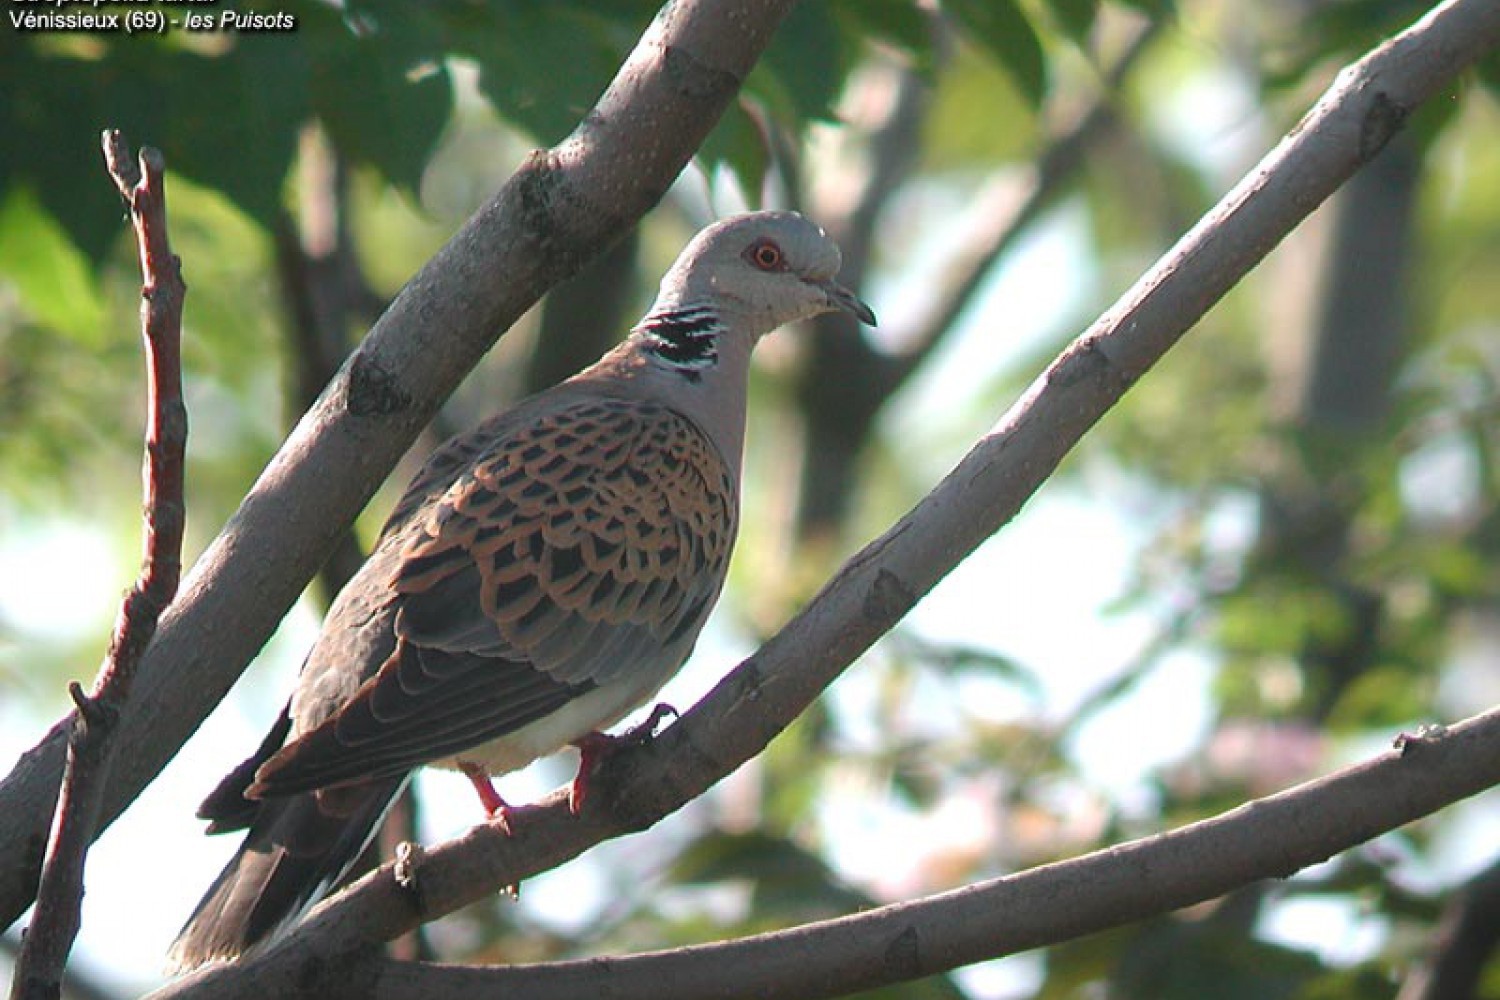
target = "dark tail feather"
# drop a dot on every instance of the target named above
(226, 807)
(297, 849)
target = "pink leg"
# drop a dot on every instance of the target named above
(594, 747)
(495, 807)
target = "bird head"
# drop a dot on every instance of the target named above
(761, 270)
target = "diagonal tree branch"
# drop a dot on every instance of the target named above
(1264, 839)
(92, 737)
(561, 206)
(1356, 117)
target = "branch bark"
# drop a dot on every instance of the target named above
(92, 736)
(1268, 838)
(562, 206)
(635, 788)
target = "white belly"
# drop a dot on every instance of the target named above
(592, 712)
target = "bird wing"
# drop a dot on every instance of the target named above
(589, 542)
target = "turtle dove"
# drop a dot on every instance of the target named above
(543, 576)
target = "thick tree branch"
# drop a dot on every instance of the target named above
(637, 787)
(1268, 838)
(91, 738)
(562, 206)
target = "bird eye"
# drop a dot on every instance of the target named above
(766, 255)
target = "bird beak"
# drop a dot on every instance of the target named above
(840, 297)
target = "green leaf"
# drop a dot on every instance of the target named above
(1384, 697)
(53, 119)
(229, 122)
(1153, 8)
(900, 24)
(808, 60)
(520, 58)
(1455, 567)
(954, 136)
(241, 143)
(718, 856)
(1002, 30)
(53, 277)
(791, 882)
(738, 143)
(1075, 18)
(1488, 71)
(382, 101)
(1168, 959)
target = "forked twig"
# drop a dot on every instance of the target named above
(44, 952)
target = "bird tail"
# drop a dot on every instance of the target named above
(297, 848)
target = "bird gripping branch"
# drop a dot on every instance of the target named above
(542, 577)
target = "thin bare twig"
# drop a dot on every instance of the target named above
(44, 951)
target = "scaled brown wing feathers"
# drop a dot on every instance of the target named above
(608, 514)
(593, 537)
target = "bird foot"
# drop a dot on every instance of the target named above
(595, 747)
(495, 808)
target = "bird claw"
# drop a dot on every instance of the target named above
(496, 809)
(593, 748)
(409, 858)
(501, 818)
(646, 731)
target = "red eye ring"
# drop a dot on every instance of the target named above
(766, 255)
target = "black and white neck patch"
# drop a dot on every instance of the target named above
(686, 338)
